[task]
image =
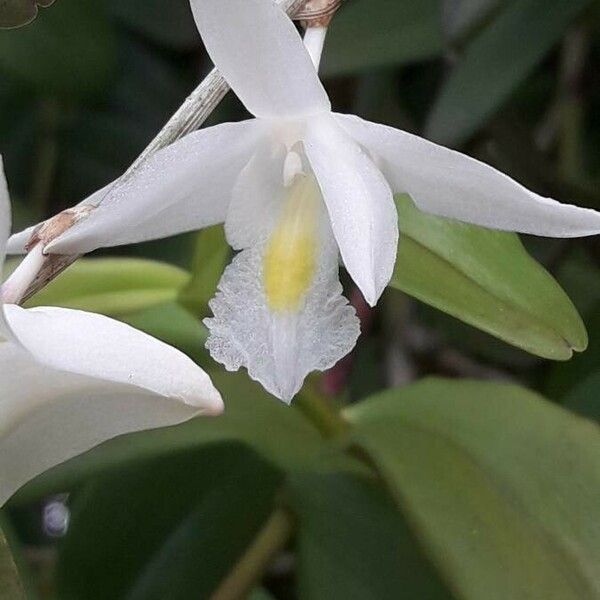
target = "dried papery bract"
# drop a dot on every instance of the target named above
(318, 13)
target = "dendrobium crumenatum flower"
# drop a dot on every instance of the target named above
(70, 380)
(297, 187)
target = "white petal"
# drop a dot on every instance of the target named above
(280, 349)
(257, 48)
(257, 195)
(50, 416)
(360, 204)
(184, 187)
(95, 346)
(451, 184)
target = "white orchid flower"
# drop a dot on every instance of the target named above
(295, 186)
(70, 380)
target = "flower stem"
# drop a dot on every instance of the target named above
(248, 571)
(314, 41)
(15, 287)
(321, 412)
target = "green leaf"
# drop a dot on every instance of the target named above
(486, 279)
(10, 585)
(69, 51)
(367, 34)
(211, 256)
(501, 486)
(277, 432)
(16, 13)
(496, 62)
(113, 286)
(174, 325)
(353, 543)
(170, 528)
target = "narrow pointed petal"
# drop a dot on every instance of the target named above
(450, 184)
(184, 187)
(257, 48)
(279, 310)
(360, 205)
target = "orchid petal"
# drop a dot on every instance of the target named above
(450, 184)
(257, 196)
(257, 48)
(280, 347)
(183, 187)
(49, 416)
(360, 204)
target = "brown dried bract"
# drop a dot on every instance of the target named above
(56, 226)
(317, 13)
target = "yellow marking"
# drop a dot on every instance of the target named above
(289, 263)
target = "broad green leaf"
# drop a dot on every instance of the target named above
(367, 34)
(10, 585)
(211, 256)
(496, 62)
(353, 543)
(277, 432)
(113, 286)
(170, 528)
(501, 486)
(486, 279)
(69, 51)
(167, 22)
(16, 13)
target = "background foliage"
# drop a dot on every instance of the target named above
(464, 485)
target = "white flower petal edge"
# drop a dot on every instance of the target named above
(280, 346)
(360, 204)
(183, 187)
(450, 184)
(257, 48)
(72, 380)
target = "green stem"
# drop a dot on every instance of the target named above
(321, 412)
(248, 571)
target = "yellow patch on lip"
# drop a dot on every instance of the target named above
(290, 260)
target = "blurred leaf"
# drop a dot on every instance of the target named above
(16, 13)
(166, 22)
(68, 52)
(277, 432)
(486, 279)
(170, 528)
(353, 543)
(211, 256)
(461, 16)
(174, 325)
(113, 286)
(10, 585)
(377, 33)
(495, 63)
(584, 398)
(501, 486)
